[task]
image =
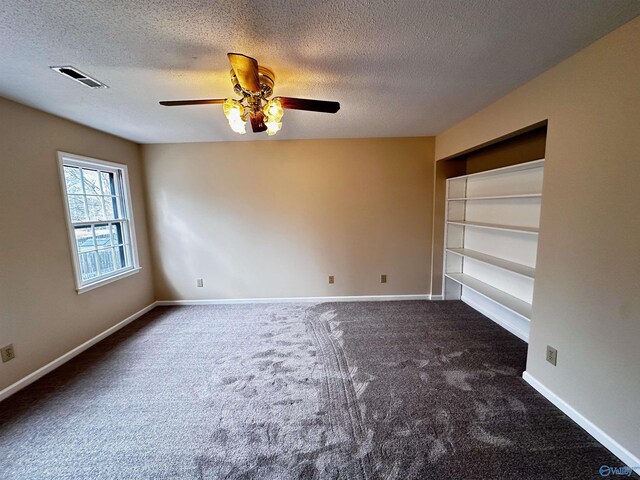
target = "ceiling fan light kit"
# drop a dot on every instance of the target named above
(273, 113)
(236, 115)
(255, 84)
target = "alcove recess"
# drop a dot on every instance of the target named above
(488, 212)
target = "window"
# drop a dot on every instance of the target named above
(100, 220)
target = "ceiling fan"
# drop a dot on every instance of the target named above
(255, 84)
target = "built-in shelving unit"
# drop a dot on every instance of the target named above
(491, 241)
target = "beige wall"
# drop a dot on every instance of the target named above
(587, 300)
(40, 311)
(275, 218)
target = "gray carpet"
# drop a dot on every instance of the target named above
(389, 390)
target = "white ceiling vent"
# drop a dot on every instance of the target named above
(75, 74)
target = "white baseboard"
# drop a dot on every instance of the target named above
(513, 322)
(32, 377)
(596, 432)
(436, 297)
(356, 298)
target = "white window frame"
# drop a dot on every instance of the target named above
(70, 159)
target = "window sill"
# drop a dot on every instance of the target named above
(104, 281)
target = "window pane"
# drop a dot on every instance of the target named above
(108, 184)
(116, 232)
(109, 211)
(72, 179)
(88, 266)
(118, 211)
(84, 239)
(91, 182)
(77, 208)
(106, 261)
(121, 261)
(95, 207)
(103, 235)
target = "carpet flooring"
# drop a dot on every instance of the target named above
(366, 390)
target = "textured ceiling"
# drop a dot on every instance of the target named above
(398, 67)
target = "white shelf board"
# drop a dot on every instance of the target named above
(509, 302)
(497, 197)
(497, 171)
(495, 226)
(512, 267)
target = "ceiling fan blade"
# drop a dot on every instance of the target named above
(246, 70)
(257, 122)
(210, 101)
(308, 104)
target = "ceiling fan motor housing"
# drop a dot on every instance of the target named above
(267, 81)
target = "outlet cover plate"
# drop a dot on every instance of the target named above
(552, 355)
(8, 353)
